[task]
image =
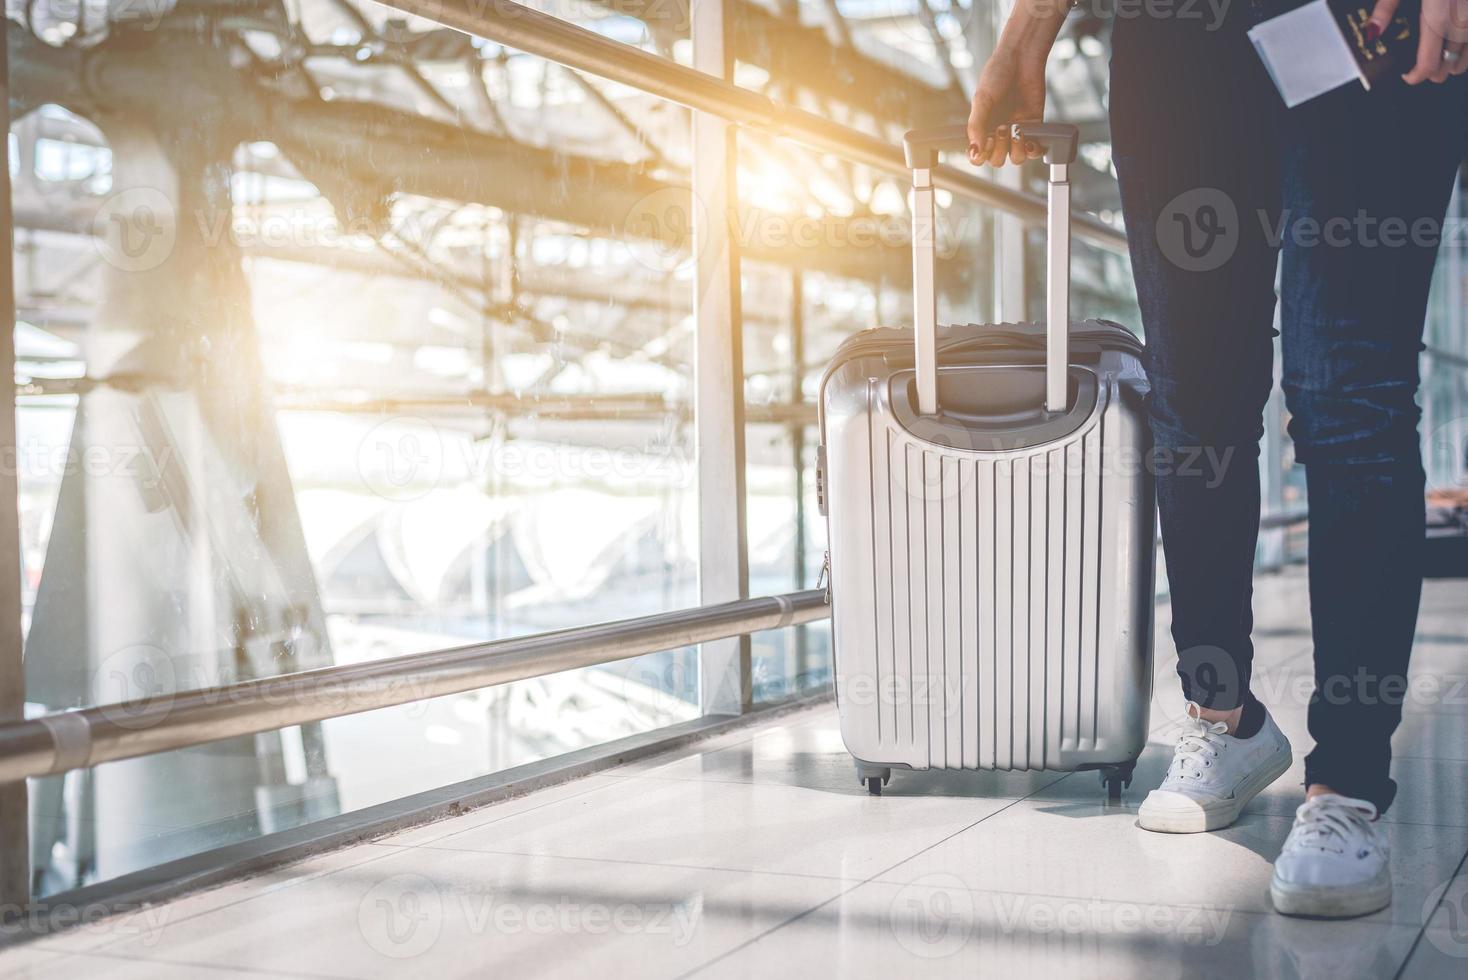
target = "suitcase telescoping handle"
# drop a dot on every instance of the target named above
(921, 147)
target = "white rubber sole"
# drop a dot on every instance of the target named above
(1338, 902)
(1214, 814)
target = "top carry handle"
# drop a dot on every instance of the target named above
(921, 147)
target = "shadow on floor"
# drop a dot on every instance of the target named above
(1251, 831)
(834, 772)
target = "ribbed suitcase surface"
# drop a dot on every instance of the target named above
(992, 609)
(990, 517)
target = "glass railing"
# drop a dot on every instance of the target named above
(395, 357)
(373, 364)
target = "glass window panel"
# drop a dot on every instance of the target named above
(394, 357)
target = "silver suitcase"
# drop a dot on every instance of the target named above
(991, 528)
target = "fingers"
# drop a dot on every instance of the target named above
(990, 127)
(1000, 147)
(1381, 18)
(1005, 148)
(1429, 59)
(980, 142)
(976, 154)
(1459, 64)
(986, 145)
(1450, 59)
(987, 154)
(979, 150)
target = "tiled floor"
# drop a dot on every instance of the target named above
(757, 855)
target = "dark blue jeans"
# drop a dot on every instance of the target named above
(1219, 182)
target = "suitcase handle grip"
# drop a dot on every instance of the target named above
(920, 148)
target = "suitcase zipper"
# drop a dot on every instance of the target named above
(825, 577)
(995, 338)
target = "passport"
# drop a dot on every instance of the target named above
(1322, 45)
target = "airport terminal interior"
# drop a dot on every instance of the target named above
(420, 551)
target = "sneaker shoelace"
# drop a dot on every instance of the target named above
(1198, 744)
(1331, 823)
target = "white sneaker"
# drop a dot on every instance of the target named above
(1335, 863)
(1213, 776)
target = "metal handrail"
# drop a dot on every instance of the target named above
(1273, 522)
(554, 39)
(67, 740)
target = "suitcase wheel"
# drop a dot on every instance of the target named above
(874, 777)
(1116, 779)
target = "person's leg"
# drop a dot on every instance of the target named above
(1368, 178)
(1193, 134)
(1193, 116)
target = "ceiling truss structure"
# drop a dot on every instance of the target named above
(363, 153)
